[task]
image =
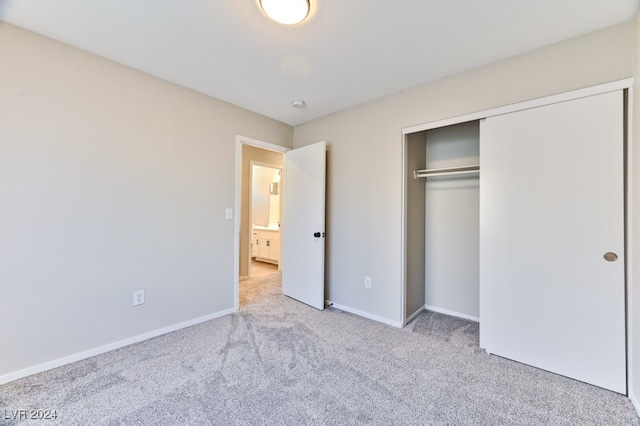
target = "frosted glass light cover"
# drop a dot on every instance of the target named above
(288, 12)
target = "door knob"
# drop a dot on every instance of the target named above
(316, 234)
(610, 256)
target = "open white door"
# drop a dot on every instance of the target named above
(302, 236)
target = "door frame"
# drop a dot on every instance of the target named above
(240, 141)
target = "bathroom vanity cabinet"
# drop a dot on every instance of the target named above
(266, 245)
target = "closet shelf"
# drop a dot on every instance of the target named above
(446, 171)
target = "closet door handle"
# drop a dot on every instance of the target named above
(316, 234)
(610, 256)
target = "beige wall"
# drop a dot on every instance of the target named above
(112, 181)
(365, 153)
(249, 154)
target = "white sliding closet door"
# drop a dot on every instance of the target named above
(551, 206)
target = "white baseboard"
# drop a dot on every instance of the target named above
(397, 324)
(452, 313)
(110, 347)
(634, 401)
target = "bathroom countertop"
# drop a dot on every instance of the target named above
(265, 228)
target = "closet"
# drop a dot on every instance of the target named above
(444, 197)
(533, 245)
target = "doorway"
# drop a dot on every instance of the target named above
(251, 152)
(303, 210)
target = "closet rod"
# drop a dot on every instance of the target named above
(446, 171)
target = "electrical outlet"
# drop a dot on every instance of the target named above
(367, 282)
(138, 297)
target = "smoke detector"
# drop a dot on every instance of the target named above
(298, 103)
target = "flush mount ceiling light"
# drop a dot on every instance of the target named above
(287, 12)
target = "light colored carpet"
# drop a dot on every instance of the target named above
(279, 362)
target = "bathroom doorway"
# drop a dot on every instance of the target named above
(303, 186)
(258, 207)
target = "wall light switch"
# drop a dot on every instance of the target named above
(228, 214)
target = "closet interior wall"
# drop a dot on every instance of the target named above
(443, 226)
(416, 149)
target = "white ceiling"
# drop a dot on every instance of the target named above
(348, 51)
